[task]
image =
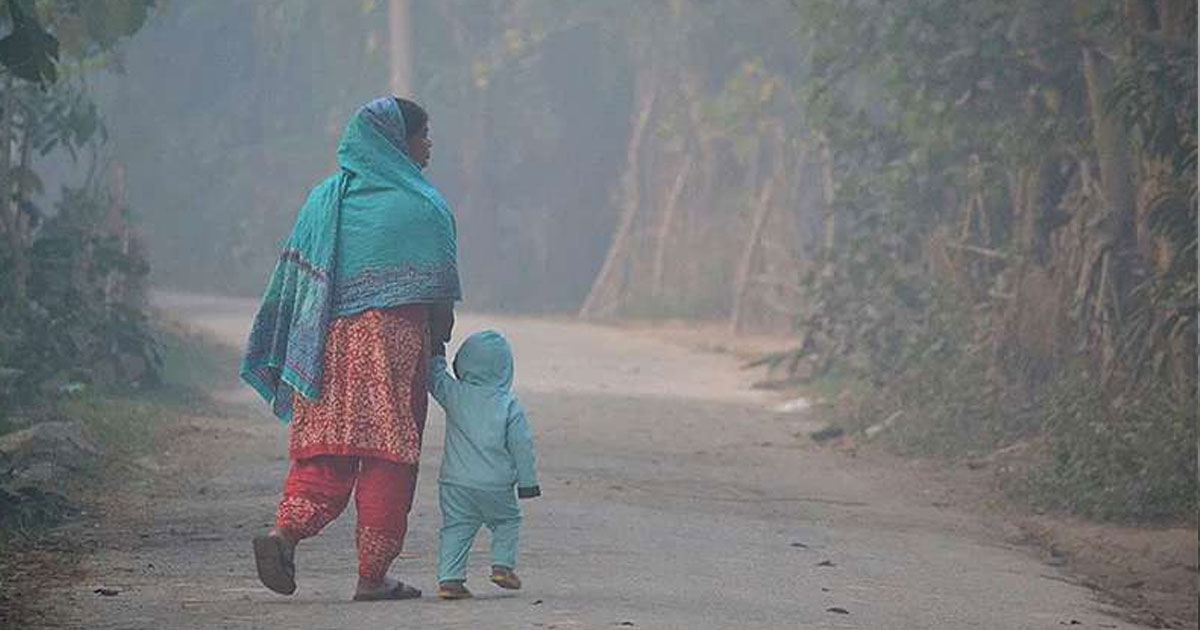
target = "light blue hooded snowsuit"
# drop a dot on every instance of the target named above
(488, 451)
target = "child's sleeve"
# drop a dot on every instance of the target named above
(520, 446)
(440, 381)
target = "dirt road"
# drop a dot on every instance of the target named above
(673, 499)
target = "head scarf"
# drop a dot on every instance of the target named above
(375, 235)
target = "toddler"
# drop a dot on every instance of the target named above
(488, 451)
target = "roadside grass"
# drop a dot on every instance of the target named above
(123, 424)
(1067, 447)
(1131, 460)
(127, 423)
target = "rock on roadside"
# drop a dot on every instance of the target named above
(42, 451)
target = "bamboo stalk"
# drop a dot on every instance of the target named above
(607, 278)
(741, 287)
(670, 209)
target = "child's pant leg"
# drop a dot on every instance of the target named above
(504, 519)
(461, 519)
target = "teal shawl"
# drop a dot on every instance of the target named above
(375, 235)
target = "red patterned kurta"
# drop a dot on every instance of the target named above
(373, 396)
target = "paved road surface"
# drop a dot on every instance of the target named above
(673, 499)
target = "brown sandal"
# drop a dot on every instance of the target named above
(505, 577)
(453, 589)
(275, 560)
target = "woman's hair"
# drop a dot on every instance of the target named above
(415, 117)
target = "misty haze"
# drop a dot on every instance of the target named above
(598, 313)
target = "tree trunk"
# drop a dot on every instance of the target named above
(670, 209)
(1116, 180)
(10, 211)
(1112, 148)
(762, 212)
(826, 157)
(1177, 19)
(605, 291)
(1032, 241)
(400, 62)
(741, 288)
(701, 197)
(702, 211)
(22, 220)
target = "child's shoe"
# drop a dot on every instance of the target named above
(504, 577)
(453, 589)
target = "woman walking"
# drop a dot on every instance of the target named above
(340, 344)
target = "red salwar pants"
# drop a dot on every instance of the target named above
(318, 489)
(363, 436)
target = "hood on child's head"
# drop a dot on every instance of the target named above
(485, 359)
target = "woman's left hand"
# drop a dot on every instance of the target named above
(441, 322)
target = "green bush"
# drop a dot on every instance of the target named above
(1126, 459)
(946, 407)
(83, 322)
(1130, 457)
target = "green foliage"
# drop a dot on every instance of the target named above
(964, 151)
(81, 28)
(1077, 448)
(942, 402)
(29, 509)
(72, 331)
(29, 52)
(71, 306)
(91, 27)
(1124, 458)
(61, 117)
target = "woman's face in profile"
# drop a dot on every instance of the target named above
(420, 147)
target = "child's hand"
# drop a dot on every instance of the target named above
(529, 493)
